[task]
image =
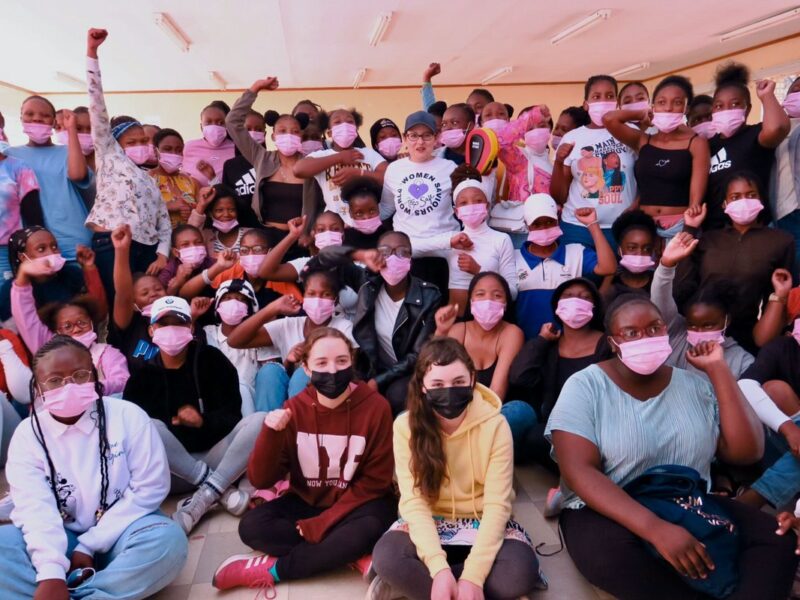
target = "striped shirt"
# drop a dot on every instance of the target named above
(680, 426)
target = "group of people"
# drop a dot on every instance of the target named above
(350, 345)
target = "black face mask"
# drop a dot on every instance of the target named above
(332, 385)
(449, 402)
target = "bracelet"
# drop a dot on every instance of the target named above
(775, 298)
(593, 223)
(206, 278)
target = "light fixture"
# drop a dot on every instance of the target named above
(631, 69)
(581, 26)
(168, 26)
(218, 79)
(381, 25)
(70, 79)
(759, 25)
(496, 75)
(359, 77)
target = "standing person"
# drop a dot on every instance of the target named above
(592, 168)
(456, 123)
(334, 513)
(126, 195)
(87, 476)
(385, 138)
(179, 190)
(477, 99)
(570, 118)
(83, 124)
(150, 132)
(672, 165)
(204, 158)
(19, 204)
(737, 145)
(65, 182)
(239, 174)
(698, 117)
(454, 462)
(615, 420)
(784, 186)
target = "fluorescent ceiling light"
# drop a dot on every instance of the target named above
(496, 75)
(67, 78)
(581, 26)
(381, 25)
(631, 69)
(218, 79)
(762, 24)
(359, 77)
(168, 26)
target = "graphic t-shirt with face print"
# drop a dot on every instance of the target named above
(602, 175)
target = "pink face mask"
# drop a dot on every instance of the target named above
(452, 138)
(38, 133)
(792, 104)
(146, 311)
(171, 163)
(214, 134)
(706, 129)
(69, 400)
(536, 139)
(555, 141)
(310, 146)
(389, 147)
(744, 211)
(172, 339)
(496, 125)
(224, 226)
(61, 137)
(323, 239)
(87, 339)
(696, 337)
(728, 122)
(396, 269)
(637, 263)
(545, 237)
(367, 226)
(288, 144)
(796, 330)
(644, 356)
(667, 121)
(151, 154)
(138, 154)
(641, 105)
(49, 263)
(318, 310)
(597, 110)
(258, 136)
(344, 134)
(232, 312)
(251, 263)
(487, 313)
(192, 255)
(87, 145)
(575, 312)
(472, 215)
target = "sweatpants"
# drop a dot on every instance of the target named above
(515, 571)
(272, 528)
(617, 561)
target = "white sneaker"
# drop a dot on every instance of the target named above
(192, 509)
(235, 501)
(380, 590)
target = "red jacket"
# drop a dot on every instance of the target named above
(337, 459)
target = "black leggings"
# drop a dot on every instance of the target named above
(272, 528)
(515, 571)
(616, 560)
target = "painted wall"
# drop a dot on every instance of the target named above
(10, 102)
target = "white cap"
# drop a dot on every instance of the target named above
(171, 305)
(539, 205)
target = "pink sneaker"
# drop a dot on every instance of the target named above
(552, 506)
(364, 566)
(246, 570)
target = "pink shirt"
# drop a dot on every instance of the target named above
(516, 160)
(197, 150)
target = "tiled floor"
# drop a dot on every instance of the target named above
(215, 539)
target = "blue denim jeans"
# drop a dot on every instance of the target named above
(578, 234)
(520, 416)
(779, 484)
(145, 558)
(670, 232)
(274, 386)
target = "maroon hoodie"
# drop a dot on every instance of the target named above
(336, 459)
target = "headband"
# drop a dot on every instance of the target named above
(123, 127)
(467, 184)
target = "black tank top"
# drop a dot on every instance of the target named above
(664, 176)
(484, 376)
(280, 202)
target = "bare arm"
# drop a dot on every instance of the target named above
(272, 269)
(251, 333)
(617, 121)
(562, 174)
(123, 279)
(310, 166)
(509, 348)
(774, 316)
(775, 126)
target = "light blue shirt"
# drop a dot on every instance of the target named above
(62, 200)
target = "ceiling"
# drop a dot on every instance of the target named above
(318, 43)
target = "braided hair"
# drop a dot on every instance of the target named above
(64, 341)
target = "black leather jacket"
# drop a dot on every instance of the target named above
(415, 322)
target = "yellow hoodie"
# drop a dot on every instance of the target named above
(480, 469)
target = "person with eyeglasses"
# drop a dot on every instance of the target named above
(615, 420)
(88, 475)
(395, 313)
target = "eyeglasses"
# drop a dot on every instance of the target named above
(68, 327)
(245, 250)
(401, 252)
(79, 377)
(425, 137)
(630, 334)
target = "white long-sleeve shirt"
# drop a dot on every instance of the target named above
(492, 250)
(18, 374)
(138, 476)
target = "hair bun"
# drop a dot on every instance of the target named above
(732, 73)
(271, 117)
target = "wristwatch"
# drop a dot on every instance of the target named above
(775, 298)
